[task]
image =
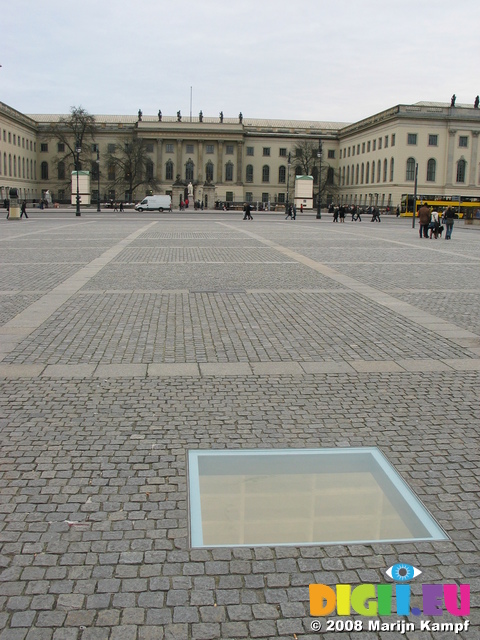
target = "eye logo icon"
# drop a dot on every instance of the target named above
(401, 572)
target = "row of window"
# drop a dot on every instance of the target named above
(412, 139)
(366, 147)
(461, 172)
(15, 139)
(366, 174)
(14, 166)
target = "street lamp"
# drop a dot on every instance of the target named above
(98, 177)
(289, 161)
(78, 150)
(319, 202)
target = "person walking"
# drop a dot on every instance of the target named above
(294, 216)
(289, 212)
(23, 209)
(449, 220)
(424, 216)
(434, 225)
(248, 212)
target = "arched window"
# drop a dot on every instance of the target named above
(23, 168)
(367, 173)
(348, 175)
(249, 173)
(373, 171)
(209, 171)
(282, 174)
(61, 170)
(265, 173)
(431, 170)
(111, 171)
(149, 170)
(229, 172)
(169, 170)
(357, 174)
(379, 168)
(392, 169)
(410, 173)
(330, 175)
(44, 170)
(189, 171)
(94, 170)
(385, 169)
(10, 164)
(15, 166)
(343, 176)
(362, 179)
(461, 170)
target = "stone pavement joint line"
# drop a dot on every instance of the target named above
(38, 312)
(427, 321)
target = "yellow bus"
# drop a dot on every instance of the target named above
(465, 207)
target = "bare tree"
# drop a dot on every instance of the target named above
(306, 162)
(304, 157)
(130, 167)
(72, 132)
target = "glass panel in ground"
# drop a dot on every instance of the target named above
(302, 498)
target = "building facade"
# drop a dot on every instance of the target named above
(371, 162)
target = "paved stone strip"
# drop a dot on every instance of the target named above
(428, 321)
(228, 369)
(12, 332)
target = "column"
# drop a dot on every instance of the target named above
(474, 157)
(179, 165)
(220, 162)
(159, 171)
(239, 162)
(450, 151)
(200, 178)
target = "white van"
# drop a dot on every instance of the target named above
(155, 203)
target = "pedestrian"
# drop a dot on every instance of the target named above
(6, 203)
(121, 206)
(23, 209)
(449, 220)
(294, 216)
(341, 212)
(424, 216)
(335, 214)
(289, 212)
(248, 211)
(434, 225)
(301, 207)
(115, 206)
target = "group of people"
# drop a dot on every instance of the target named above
(341, 211)
(431, 221)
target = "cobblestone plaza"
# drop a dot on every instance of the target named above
(127, 340)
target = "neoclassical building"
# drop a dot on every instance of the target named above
(372, 161)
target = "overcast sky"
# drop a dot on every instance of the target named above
(336, 60)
